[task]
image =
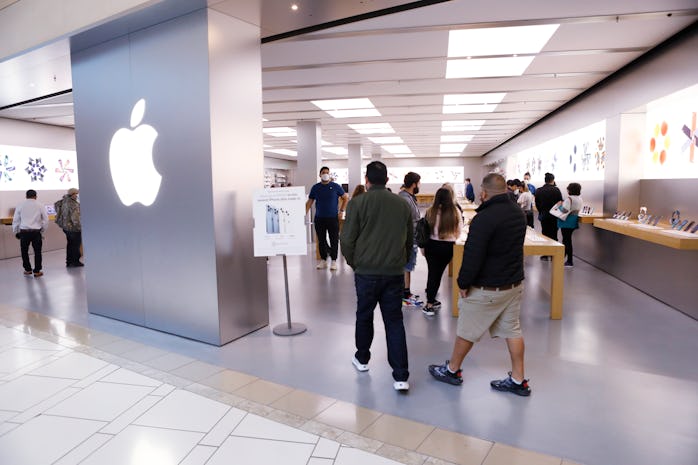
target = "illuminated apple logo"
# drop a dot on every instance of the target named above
(131, 161)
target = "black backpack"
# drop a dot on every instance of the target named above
(422, 232)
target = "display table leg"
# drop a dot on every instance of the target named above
(557, 280)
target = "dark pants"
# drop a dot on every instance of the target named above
(386, 291)
(72, 250)
(529, 218)
(25, 239)
(438, 255)
(567, 241)
(548, 225)
(323, 228)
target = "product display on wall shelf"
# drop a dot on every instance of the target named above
(690, 225)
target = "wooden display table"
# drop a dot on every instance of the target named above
(534, 244)
(662, 234)
(589, 219)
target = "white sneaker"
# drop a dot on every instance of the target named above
(358, 365)
(321, 265)
(401, 386)
(333, 266)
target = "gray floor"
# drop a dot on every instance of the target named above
(614, 382)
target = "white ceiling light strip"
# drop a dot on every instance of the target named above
(347, 108)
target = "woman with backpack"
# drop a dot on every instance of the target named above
(446, 224)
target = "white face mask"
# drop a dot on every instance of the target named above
(325, 177)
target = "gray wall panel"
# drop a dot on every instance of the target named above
(111, 231)
(182, 262)
(659, 271)
(237, 163)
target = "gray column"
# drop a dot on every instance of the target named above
(183, 264)
(354, 163)
(309, 154)
(623, 167)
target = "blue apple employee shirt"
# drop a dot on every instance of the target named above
(326, 198)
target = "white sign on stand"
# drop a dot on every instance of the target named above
(279, 229)
(279, 221)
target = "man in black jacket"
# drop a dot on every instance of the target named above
(546, 197)
(490, 283)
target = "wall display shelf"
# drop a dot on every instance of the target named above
(656, 234)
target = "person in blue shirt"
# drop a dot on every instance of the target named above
(469, 191)
(327, 196)
(527, 180)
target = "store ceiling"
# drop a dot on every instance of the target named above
(399, 63)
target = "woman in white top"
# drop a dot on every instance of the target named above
(525, 201)
(446, 224)
(572, 204)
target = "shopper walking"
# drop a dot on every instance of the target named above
(525, 201)
(68, 219)
(490, 286)
(28, 224)
(376, 243)
(409, 191)
(327, 195)
(572, 204)
(546, 197)
(446, 224)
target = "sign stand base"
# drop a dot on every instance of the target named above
(288, 329)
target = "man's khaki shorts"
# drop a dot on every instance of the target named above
(496, 311)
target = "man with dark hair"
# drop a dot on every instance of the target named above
(29, 223)
(376, 243)
(327, 195)
(527, 180)
(546, 197)
(408, 191)
(490, 281)
(469, 191)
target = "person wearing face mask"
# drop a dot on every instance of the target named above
(327, 196)
(68, 218)
(408, 191)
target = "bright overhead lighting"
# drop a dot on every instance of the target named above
(387, 140)
(452, 148)
(343, 104)
(457, 138)
(396, 149)
(466, 125)
(291, 153)
(403, 155)
(336, 150)
(294, 7)
(487, 67)
(280, 132)
(449, 154)
(347, 108)
(373, 128)
(360, 113)
(481, 108)
(471, 99)
(499, 40)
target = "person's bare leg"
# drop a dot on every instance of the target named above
(460, 350)
(407, 280)
(516, 352)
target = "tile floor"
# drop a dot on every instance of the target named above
(614, 383)
(92, 406)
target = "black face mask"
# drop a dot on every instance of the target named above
(416, 191)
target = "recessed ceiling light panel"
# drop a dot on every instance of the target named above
(396, 149)
(465, 125)
(280, 132)
(499, 40)
(487, 67)
(373, 128)
(387, 140)
(452, 148)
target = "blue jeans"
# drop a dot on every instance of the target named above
(386, 291)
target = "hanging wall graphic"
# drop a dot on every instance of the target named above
(671, 144)
(578, 155)
(24, 168)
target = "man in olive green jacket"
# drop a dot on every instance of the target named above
(376, 242)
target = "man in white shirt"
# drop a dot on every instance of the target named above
(29, 223)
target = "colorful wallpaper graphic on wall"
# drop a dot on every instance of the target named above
(23, 168)
(578, 155)
(672, 142)
(7, 169)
